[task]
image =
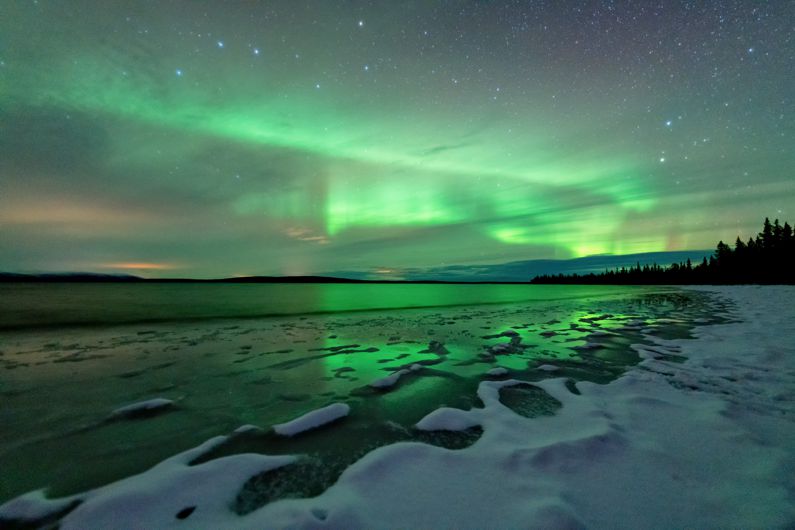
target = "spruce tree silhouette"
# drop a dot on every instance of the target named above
(767, 259)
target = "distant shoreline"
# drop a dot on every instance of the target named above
(100, 278)
(129, 279)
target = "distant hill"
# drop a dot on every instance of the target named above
(129, 278)
(68, 277)
(511, 272)
(87, 277)
(525, 270)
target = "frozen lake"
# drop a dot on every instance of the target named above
(306, 405)
(202, 348)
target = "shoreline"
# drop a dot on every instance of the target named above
(670, 443)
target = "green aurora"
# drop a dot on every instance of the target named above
(212, 139)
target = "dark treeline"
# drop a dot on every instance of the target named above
(768, 258)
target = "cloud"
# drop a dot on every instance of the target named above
(139, 266)
(520, 271)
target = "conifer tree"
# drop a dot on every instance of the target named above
(766, 235)
(766, 258)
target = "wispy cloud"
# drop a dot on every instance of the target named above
(139, 266)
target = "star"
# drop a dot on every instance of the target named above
(360, 23)
(178, 72)
(220, 44)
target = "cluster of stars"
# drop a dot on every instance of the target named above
(602, 102)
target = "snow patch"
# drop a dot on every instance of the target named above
(312, 420)
(448, 419)
(142, 408)
(153, 498)
(390, 380)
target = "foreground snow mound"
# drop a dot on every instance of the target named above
(312, 420)
(158, 498)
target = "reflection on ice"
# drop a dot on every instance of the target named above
(388, 369)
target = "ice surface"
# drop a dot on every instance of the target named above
(312, 420)
(644, 451)
(705, 442)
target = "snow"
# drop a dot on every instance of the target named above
(547, 368)
(312, 420)
(33, 506)
(137, 409)
(245, 429)
(153, 498)
(703, 443)
(497, 371)
(448, 419)
(500, 348)
(642, 452)
(390, 380)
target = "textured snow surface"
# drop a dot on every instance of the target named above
(705, 443)
(313, 420)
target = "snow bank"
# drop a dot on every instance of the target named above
(142, 408)
(154, 498)
(447, 419)
(245, 429)
(390, 380)
(312, 420)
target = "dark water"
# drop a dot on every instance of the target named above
(71, 354)
(35, 305)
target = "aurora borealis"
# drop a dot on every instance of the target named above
(229, 138)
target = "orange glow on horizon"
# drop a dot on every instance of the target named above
(140, 266)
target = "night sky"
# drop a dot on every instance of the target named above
(287, 137)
